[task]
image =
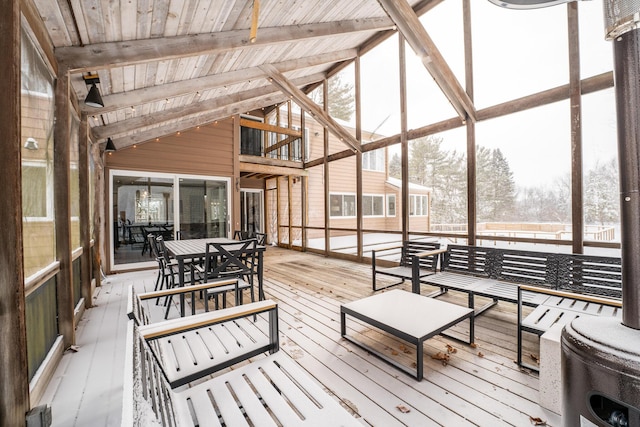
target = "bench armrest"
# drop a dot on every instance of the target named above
(572, 295)
(430, 253)
(185, 289)
(184, 324)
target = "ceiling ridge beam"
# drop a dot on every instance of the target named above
(122, 53)
(180, 112)
(290, 87)
(414, 32)
(150, 94)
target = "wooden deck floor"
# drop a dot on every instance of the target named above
(479, 385)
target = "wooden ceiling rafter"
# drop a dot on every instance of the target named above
(156, 93)
(291, 89)
(124, 53)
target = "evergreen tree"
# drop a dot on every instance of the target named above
(496, 190)
(395, 166)
(341, 98)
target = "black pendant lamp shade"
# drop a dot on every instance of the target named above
(93, 99)
(110, 147)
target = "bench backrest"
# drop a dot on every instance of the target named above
(590, 275)
(410, 248)
(525, 267)
(465, 259)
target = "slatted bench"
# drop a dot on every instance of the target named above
(587, 286)
(272, 390)
(417, 259)
(492, 273)
(201, 344)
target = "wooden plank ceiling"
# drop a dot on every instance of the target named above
(170, 65)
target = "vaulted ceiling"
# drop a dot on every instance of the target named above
(170, 65)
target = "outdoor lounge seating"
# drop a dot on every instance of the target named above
(270, 389)
(560, 287)
(194, 346)
(587, 286)
(494, 273)
(424, 253)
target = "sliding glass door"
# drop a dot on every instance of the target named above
(251, 211)
(174, 206)
(203, 208)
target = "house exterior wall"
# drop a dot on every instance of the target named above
(207, 150)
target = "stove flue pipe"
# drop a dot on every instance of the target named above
(621, 21)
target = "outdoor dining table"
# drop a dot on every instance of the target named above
(189, 249)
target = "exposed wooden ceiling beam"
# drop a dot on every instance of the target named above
(146, 95)
(178, 113)
(291, 88)
(413, 31)
(107, 55)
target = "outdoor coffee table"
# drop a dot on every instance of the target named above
(408, 316)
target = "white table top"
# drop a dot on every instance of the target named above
(411, 313)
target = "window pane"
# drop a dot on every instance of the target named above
(378, 204)
(367, 205)
(336, 204)
(596, 53)
(349, 205)
(380, 84)
(34, 191)
(523, 173)
(74, 183)
(391, 205)
(438, 166)
(37, 114)
(517, 54)
(600, 163)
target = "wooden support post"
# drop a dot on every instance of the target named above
(289, 207)
(304, 188)
(62, 208)
(359, 210)
(235, 218)
(99, 223)
(327, 207)
(575, 98)
(14, 376)
(404, 142)
(471, 128)
(85, 207)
